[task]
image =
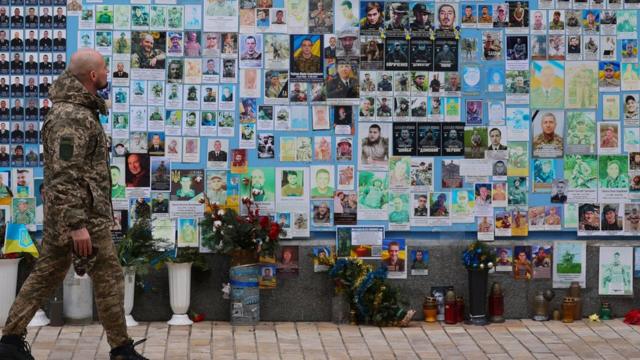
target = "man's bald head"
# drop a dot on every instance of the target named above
(89, 68)
(83, 62)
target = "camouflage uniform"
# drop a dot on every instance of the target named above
(541, 141)
(142, 60)
(78, 195)
(310, 65)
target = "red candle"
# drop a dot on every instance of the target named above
(450, 312)
(496, 305)
(459, 309)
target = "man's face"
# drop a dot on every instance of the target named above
(608, 73)
(115, 175)
(257, 179)
(216, 183)
(120, 67)
(484, 192)
(467, 11)
(292, 178)
(537, 18)
(397, 17)
(217, 146)
(548, 125)
(422, 202)
(210, 66)
(373, 16)
(485, 11)
(588, 216)
(393, 253)
(404, 134)
(155, 140)
(374, 134)
(613, 170)
(22, 179)
(610, 216)
(446, 16)
(344, 70)
(134, 164)
(495, 137)
(347, 43)
(174, 70)
(632, 105)
(322, 180)
(250, 43)
(306, 48)
(147, 43)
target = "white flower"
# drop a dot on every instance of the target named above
(220, 212)
(217, 223)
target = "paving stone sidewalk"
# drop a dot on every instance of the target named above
(515, 339)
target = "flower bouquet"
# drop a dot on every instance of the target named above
(244, 237)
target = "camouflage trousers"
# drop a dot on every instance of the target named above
(50, 271)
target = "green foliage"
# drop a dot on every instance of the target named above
(186, 255)
(374, 300)
(138, 246)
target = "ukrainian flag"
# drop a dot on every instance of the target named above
(17, 240)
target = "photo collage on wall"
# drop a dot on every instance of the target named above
(498, 118)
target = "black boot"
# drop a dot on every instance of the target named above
(15, 347)
(127, 351)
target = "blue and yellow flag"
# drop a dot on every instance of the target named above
(17, 240)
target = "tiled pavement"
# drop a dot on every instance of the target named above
(515, 339)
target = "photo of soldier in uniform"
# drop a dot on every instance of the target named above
(148, 50)
(306, 57)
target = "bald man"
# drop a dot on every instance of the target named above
(77, 210)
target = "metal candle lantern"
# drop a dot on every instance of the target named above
(575, 293)
(430, 309)
(568, 309)
(541, 305)
(496, 304)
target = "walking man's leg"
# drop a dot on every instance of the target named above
(48, 273)
(108, 285)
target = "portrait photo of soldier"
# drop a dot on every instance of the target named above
(306, 60)
(147, 50)
(609, 76)
(517, 48)
(396, 17)
(321, 16)
(421, 53)
(372, 20)
(429, 140)
(548, 130)
(374, 145)
(469, 15)
(345, 83)
(251, 50)
(446, 17)
(404, 139)
(396, 54)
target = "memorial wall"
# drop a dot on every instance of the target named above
(360, 123)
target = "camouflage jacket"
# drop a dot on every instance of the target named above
(77, 178)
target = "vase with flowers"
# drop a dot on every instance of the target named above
(246, 238)
(478, 258)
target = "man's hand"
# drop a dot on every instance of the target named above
(81, 242)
